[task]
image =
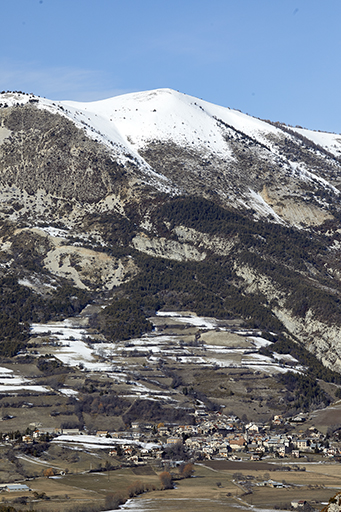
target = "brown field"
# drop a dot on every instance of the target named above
(202, 493)
(230, 465)
(226, 339)
(212, 487)
(81, 489)
(327, 417)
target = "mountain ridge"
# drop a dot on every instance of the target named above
(237, 216)
(255, 132)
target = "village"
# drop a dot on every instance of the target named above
(211, 436)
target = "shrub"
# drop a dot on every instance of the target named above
(48, 472)
(166, 480)
(187, 470)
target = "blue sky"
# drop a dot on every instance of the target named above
(274, 59)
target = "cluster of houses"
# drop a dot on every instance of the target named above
(213, 435)
(227, 435)
(216, 436)
(219, 436)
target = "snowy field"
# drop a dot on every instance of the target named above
(96, 442)
(72, 349)
(17, 388)
(226, 348)
(11, 383)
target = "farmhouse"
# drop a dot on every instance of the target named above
(15, 487)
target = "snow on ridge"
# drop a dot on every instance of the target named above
(164, 114)
(12, 98)
(97, 128)
(126, 123)
(167, 116)
(329, 141)
(303, 173)
(129, 121)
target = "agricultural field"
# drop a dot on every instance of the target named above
(184, 357)
(224, 487)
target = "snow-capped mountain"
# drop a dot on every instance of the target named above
(180, 144)
(88, 188)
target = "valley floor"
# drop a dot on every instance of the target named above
(208, 489)
(145, 396)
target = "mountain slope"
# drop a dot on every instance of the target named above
(171, 201)
(199, 147)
